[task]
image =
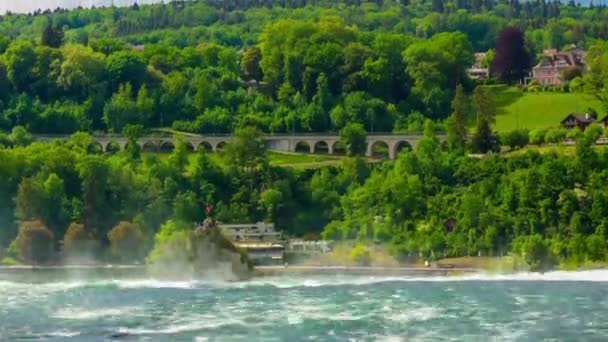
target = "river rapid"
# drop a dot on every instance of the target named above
(558, 306)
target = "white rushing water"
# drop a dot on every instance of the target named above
(307, 281)
(567, 306)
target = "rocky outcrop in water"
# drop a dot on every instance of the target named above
(204, 253)
(212, 252)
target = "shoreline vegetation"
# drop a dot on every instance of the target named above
(427, 242)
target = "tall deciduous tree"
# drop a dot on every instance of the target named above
(94, 173)
(121, 110)
(484, 105)
(125, 67)
(133, 132)
(247, 154)
(82, 72)
(250, 64)
(20, 59)
(511, 61)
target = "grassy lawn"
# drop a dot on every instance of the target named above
(294, 160)
(559, 149)
(537, 110)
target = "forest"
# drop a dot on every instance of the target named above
(289, 66)
(251, 69)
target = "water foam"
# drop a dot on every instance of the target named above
(155, 284)
(417, 314)
(181, 327)
(61, 333)
(286, 282)
(87, 314)
(322, 281)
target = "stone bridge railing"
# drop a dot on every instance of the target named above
(311, 143)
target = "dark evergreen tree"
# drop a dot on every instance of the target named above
(438, 6)
(484, 139)
(52, 36)
(457, 133)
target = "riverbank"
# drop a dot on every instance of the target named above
(31, 273)
(265, 271)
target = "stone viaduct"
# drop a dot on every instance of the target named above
(387, 144)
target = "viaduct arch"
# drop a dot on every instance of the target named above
(309, 143)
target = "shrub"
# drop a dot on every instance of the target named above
(20, 136)
(5, 140)
(537, 137)
(535, 251)
(170, 242)
(571, 73)
(126, 242)
(170, 249)
(78, 242)
(360, 255)
(594, 132)
(35, 243)
(556, 135)
(596, 247)
(577, 84)
(8, 261)
(515, 139)
(574, 134)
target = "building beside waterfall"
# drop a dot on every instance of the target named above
(262, 242)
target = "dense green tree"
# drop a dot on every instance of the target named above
(484, 139)
(35, 243)
(126, 242)
(82, 72)
(457, 133)
(121, 110)
(133, 132)
(125, 67)
(20, 59)
(52, 36)
(354, 137)
(250, 64)
(437, 66)
(20, 136)
(247, 156)
(94, 174)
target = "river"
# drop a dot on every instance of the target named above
(524, 307)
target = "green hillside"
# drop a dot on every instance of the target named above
(517, 109)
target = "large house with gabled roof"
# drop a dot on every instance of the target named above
(550, 70)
